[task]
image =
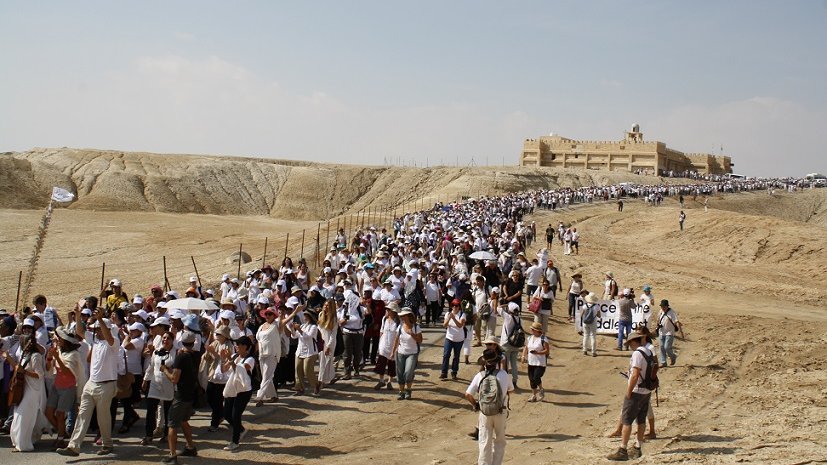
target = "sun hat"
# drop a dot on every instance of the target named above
(633, 336)
(191, 322)
(455, 302)
(115, 282)
(647, 287)
(191, 290)
(9, 322)
(161, 321)
(591, 298)
(226, 315)
(490, 356)
(610, 274)
(263, 313)
(137, 327)
(263, 300)
(173, 294)
(86, 312)
(536, 326)
(28, 322)
(228, 302)
(66, 335)
(176, 314)
(491, 340)
(138, 299)
(626, 291)
(576, 275)
(243, 293)
(664, 303)
(295, 289)
(187, 337)
(393, 306)
(223, 331)
(225, 277)
(405, 311)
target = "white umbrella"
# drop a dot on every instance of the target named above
(188, 303)
(482, 255)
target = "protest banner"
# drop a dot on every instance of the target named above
(608, 316)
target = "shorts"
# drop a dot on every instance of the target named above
(635, 409)
(181, 411)
(62, 400)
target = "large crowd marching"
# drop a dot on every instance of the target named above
(463, 266)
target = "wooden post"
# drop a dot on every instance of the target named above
(197, 276)
(327, 238)
(166, 281)
(318, 236)
(328, 230)
(17, 299)
(238, 272)
(264, 256)
(286, 243)
(103, 273)
(301, 255)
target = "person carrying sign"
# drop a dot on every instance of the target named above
(493, 388)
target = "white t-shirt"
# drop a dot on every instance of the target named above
(407, 343)
(639, 361)
(533, 274)
(668, 323)
(454, 332)
(389, 331)
(509, 323)
(502, 377)
(104, 365)
(134, 356)
(432, 291)
(535, 343)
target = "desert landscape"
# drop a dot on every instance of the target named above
(746, 278)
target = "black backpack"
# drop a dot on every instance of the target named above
(517, 337)
(650, 376)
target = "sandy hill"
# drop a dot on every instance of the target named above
(135, 181)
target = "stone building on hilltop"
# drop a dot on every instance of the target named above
(631, 154)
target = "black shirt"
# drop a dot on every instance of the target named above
(185, 389)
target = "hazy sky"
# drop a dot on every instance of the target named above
(435, 81)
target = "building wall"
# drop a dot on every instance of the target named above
(654, 157)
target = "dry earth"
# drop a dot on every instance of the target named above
(745, 277)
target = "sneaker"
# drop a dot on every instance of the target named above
(532, 398)
(635, 453)
(231, 446)
(619, 455)
(170, 459)
(401, 395)
(454, 376)
(542, 395)
(594, 354)
(105, 451)
(389, 386)
(242, 435)
(190, 452)
(68, 452)
(212, 429)
(475, 435)
(260, 403)
(408, 394)
(158, 433)
(585, 353)
(379, 385)
(146, 441)
(347, 376)
(672, 361)
(443, 376)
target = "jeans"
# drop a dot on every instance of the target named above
(405, 368)
(590, 338)
(215, 397)
(152, 415)
(353, 350)
(666, 342)
(233, 409)
(455, 347)
(491, 439)
(623, 327)
(572, 304)
(511, 355)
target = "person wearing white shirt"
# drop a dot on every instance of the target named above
(351, 321)
(492, 440)
(668, 325)
(307, 353)
(157, 386)
(433, 298)
(546, 296)
(99, 389)
(533, 275)
(455, 334)
(406, 351)
(510, 314)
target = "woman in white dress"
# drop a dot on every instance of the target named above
(29, 416)
(328, 329)
(386, 363)
(268, 338)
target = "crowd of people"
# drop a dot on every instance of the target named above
(463, 266)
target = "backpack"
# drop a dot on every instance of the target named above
(589, 316)
(650, 379)
(517, 337)
(491, 395)
(468, 309)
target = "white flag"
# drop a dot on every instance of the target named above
(62, 195)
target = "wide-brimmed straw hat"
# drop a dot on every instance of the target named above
(591, 298)
(634, 336)
(536, 326)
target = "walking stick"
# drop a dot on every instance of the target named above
(17, 299)
(197, 276)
